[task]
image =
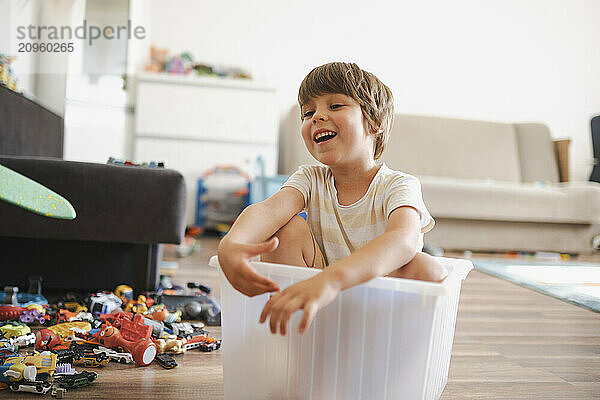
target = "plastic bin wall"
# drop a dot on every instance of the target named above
(386, 339)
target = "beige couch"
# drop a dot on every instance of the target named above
(490, 186)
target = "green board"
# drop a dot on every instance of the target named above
(30, 195)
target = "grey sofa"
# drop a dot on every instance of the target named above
(123, 212)
(490, 186)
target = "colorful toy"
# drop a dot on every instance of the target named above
(157, 326)
(124, 293)
(183, 329)
(123, 358)
(135, 329)
(46, 339)
(34, 306)
(75, 307)
(14, 329)
(140, 306)
(31, 387)
(66, 356)
(7, 344)
(166, 361)
(104, 303)
(81, 316)
(64, 329)
(44, 362)
(84, 347)
(158, 59)
(25, 299)
(158, 313)
(91, 360)
(6, 353)
(24, 340)
(7, 75)
(203, 342)
(17, 372)
(64, 369)
(78, 380)
(10, 312)
(30, 316)
(171, 345)
(201, 306)
(145, 164)
(143, 350)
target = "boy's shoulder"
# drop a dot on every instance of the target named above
(387, 174)
(314, 171)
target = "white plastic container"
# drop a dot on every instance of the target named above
(386, 339)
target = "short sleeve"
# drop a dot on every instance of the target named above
(405, 190)
(301, 181)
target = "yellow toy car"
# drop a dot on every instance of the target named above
(14, 330)
(45, 363)
(92, 360)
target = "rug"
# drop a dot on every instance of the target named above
(574, 282)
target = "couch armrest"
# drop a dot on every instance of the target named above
(561, 150)
(113, 203)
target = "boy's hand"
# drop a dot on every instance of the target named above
(310, 295)
(234, 259)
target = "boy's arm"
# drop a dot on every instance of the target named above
(382, 255)
(247, 236)
(394, 248)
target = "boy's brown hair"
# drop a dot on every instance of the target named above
(375, 98)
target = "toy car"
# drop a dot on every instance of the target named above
(31, 387)
(6, 353)
(84, 348)
(8, 345)
(66, 356)
(203, 342)
(14, 329)
(24, 340)
(81, 379)
(92, 360)
(165, 361)
(44, 362)
(123, 358)
(203, 346)
(104, 303)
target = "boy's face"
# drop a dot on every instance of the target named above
(334, 131)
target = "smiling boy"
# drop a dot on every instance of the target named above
(364, 219)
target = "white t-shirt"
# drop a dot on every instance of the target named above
(362, 221)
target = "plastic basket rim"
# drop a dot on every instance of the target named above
(460, 270)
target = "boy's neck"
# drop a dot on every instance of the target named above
(352, 182)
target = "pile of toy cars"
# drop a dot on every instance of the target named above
(93, 331)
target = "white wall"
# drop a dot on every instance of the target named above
(502, 60)
(40, 74)
(15, 13)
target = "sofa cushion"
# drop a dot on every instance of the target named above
(457, 148)
(504, 201)
(536, 153)
(113, 203)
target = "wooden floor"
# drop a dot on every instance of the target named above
(510, 343)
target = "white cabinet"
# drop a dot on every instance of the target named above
(194, 123)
